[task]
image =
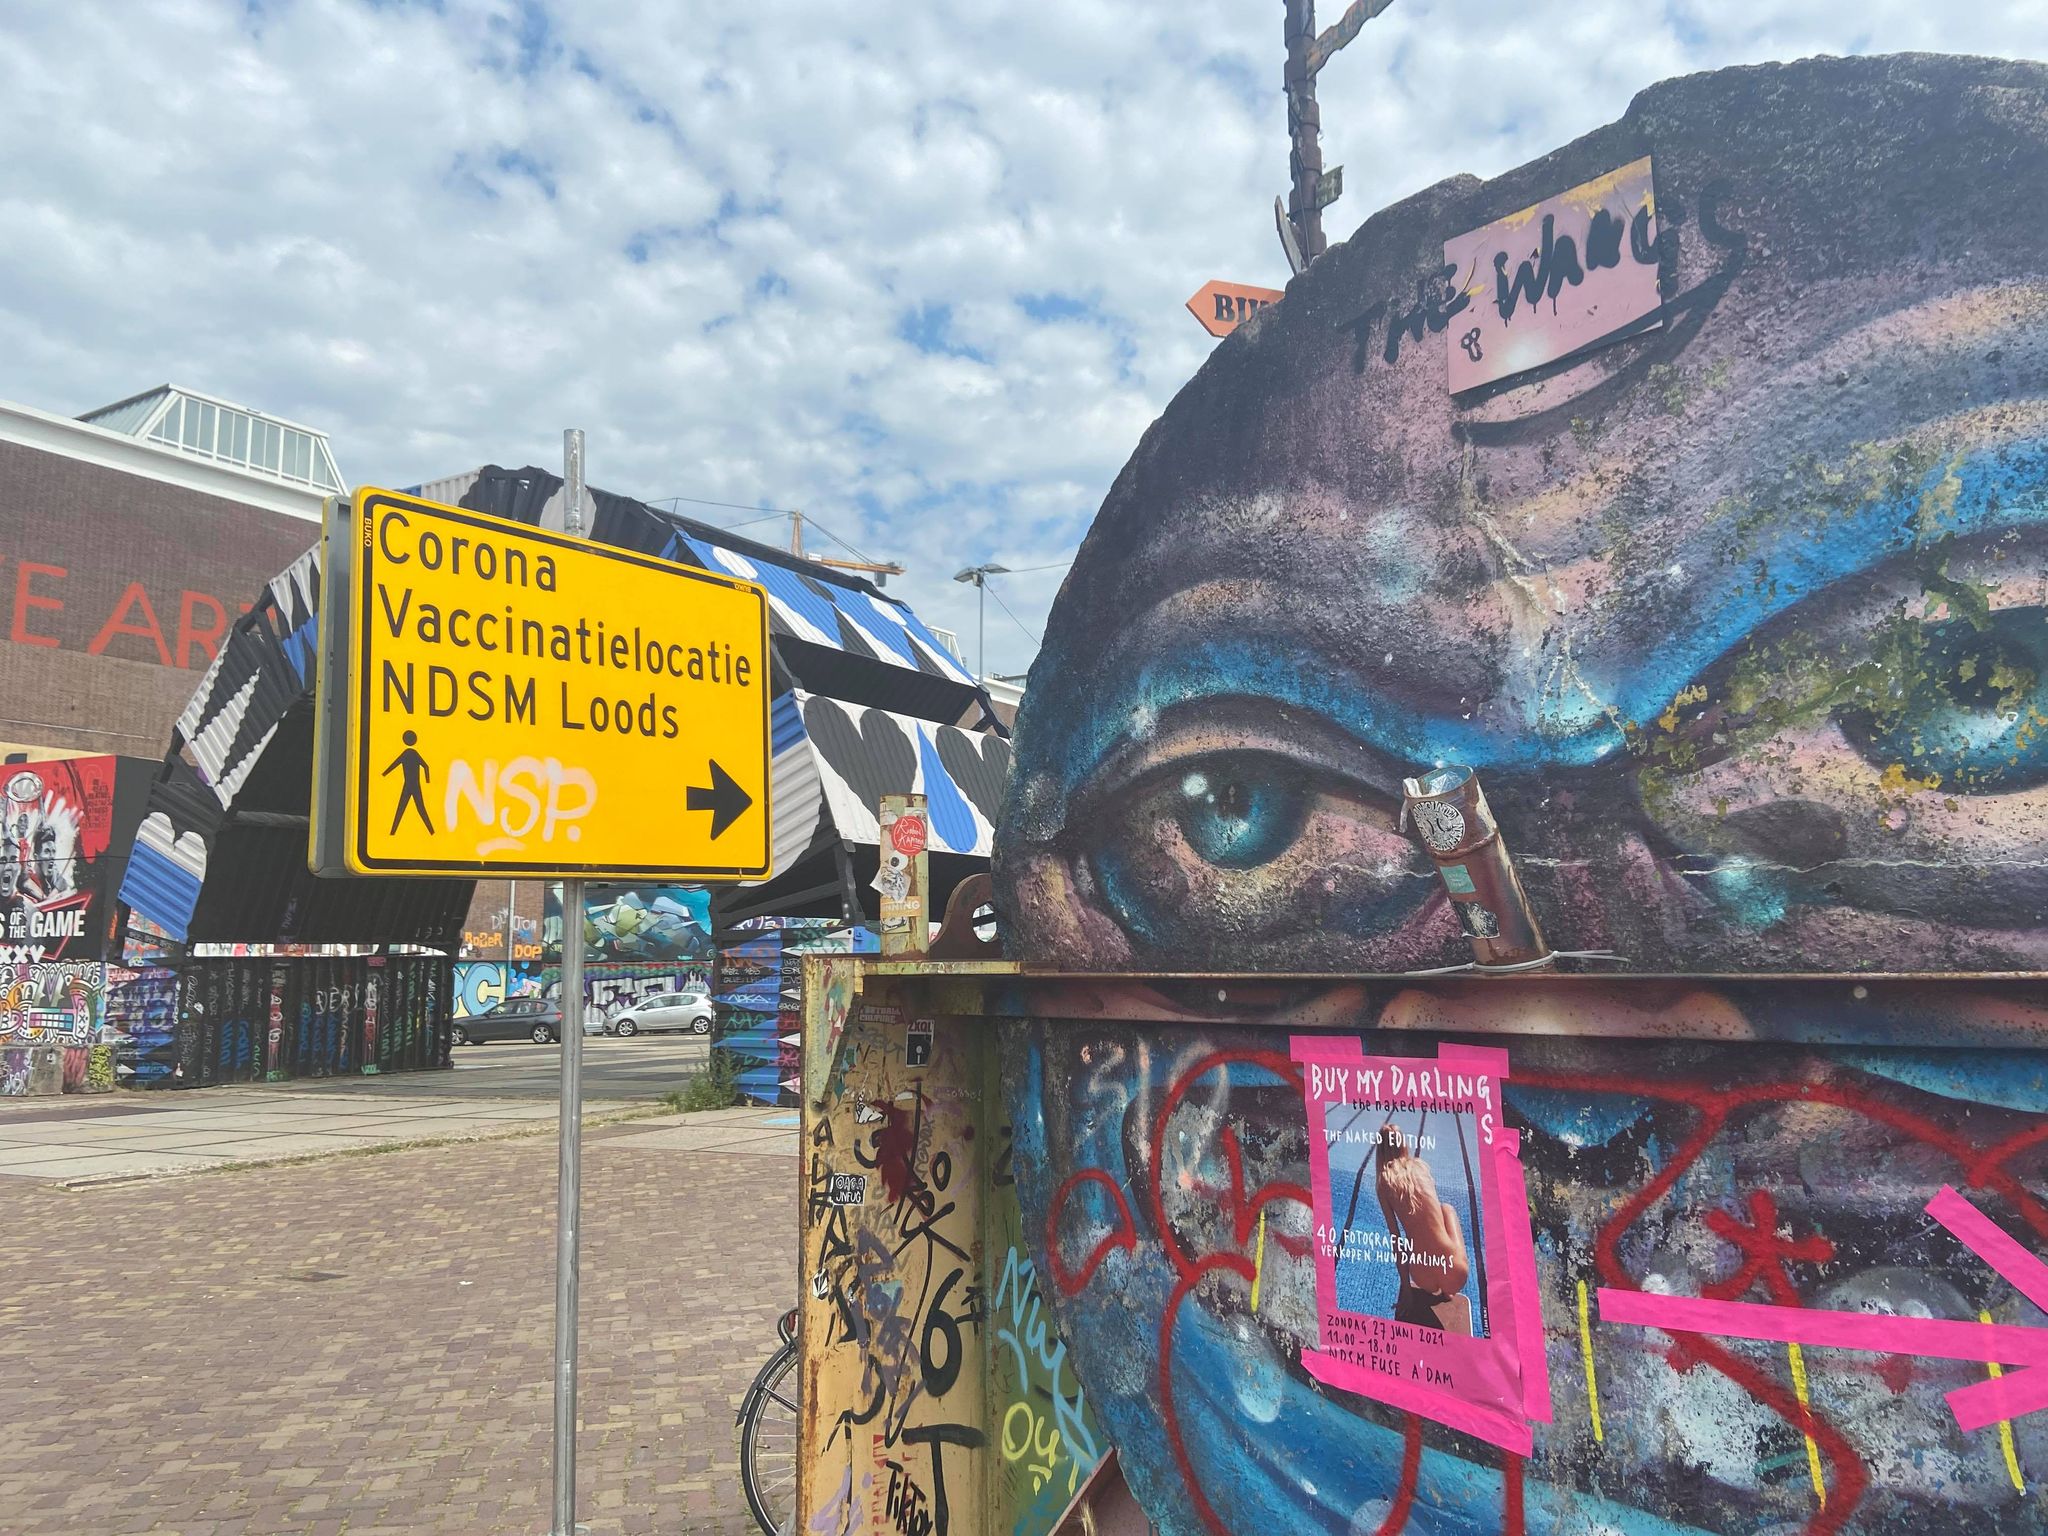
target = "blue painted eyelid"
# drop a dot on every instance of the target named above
(1980, 492)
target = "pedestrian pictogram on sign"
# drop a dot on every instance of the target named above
(501, 699)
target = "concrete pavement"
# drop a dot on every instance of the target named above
(492, 1091)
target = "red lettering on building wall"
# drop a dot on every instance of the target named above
(190, 634)
(24, 599)
(202, 618)
(118, 623)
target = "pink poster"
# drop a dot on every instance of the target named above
(1574, 272)
(1426, 1291)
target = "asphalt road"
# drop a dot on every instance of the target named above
(643, 1067)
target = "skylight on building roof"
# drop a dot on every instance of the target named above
(206, 428)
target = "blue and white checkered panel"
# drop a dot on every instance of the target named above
(167, 865)
(863, 754)
(826, 613)
(922, 644)
(265, 664)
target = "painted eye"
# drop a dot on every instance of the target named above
(1969, 705)
(1238, 849)
(1241, 811)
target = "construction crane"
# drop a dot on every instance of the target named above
(881, 570)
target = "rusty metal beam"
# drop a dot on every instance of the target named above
(1359, 13)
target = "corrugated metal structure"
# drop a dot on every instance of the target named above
(833, 633)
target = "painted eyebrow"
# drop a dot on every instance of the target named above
(1273, 670)
(1978, 491)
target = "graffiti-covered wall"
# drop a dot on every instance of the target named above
(481, 985)
(945, 1400)
(1689, 483)
(53, 1034)
(267, 1018)
(1739, 1301)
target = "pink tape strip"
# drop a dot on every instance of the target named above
(1490, 1058)
(1993, 1244)
(1934, 1337)
(1520, 1242)
(2005, 1397)
(1496, 1426)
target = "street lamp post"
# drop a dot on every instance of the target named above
(977, 576)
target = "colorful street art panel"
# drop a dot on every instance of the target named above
(637, 922)
(53, 1027)
(481, 985)
(141, 1019)
(760, 1001)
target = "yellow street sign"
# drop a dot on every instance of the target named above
(519, 703)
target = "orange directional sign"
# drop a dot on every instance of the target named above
(509, 701)
(1222, 307)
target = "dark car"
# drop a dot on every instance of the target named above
(519, 1018)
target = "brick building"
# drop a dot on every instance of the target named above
(129, 539)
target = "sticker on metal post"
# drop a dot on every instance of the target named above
(847, 1189)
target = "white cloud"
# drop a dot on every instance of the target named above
(716, 235)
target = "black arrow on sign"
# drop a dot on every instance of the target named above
(725, 800)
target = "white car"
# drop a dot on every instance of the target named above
(687, 1012)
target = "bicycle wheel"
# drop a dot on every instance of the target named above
(769, 1426)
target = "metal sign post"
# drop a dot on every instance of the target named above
(569, 1173)
(503, 701)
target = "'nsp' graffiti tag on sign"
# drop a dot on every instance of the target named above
(515, 702)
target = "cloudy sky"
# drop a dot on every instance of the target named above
(916, 268)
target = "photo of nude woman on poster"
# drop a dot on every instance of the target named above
(1409, 1246)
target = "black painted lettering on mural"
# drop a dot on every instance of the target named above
(1552, 265)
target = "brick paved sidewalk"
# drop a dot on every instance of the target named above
(361, 1345)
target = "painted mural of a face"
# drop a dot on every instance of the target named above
(1743, 622)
